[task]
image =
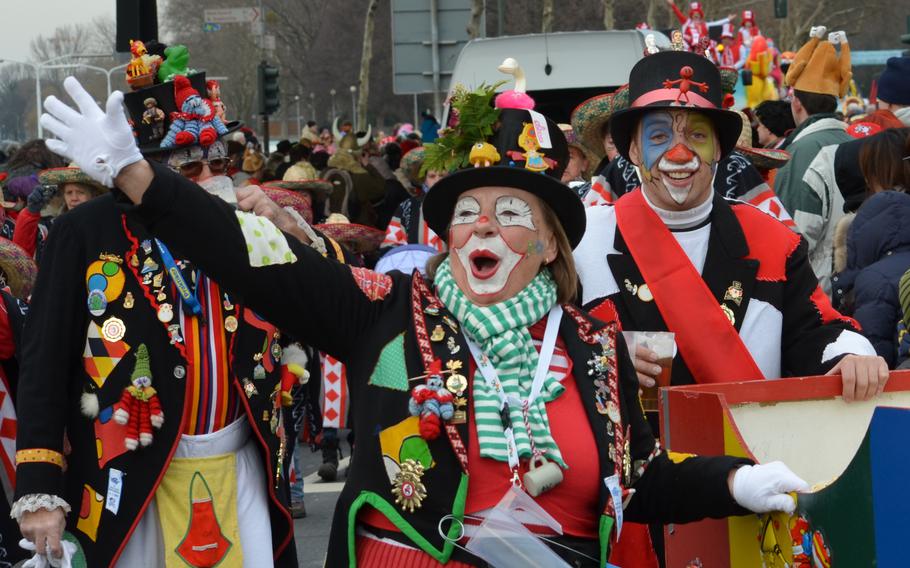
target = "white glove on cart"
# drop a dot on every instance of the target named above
(765, 487)
(101, 143)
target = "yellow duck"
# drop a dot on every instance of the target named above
(483, 155)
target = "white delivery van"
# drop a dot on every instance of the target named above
(562, 69)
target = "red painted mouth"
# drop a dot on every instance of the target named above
(484, 264)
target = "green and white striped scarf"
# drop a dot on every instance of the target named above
(501, 331)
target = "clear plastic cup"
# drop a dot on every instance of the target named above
(664, 344)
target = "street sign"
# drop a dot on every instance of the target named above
(413, 47)
(211, 27)
(231, 15)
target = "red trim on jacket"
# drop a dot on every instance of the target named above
(770, 242)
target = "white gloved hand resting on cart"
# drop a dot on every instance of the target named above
(765, 487)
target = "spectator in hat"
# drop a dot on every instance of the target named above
(775, 122)
(894, 88)
(818, 77)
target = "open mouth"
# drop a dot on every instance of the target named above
(484, 264)
(679, 178)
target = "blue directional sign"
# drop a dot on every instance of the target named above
(211, 27)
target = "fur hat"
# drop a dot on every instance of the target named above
(817, 67)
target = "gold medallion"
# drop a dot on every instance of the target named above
(729, 313)
(644, 293)
(230, 324)
(456, 383)
(438, 334)
(134, 261)
(408, 488)
(129, 301)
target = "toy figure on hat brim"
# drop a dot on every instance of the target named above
(525, 163)
(675, 80)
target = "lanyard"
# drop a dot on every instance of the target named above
(491, 377)
(188, 296)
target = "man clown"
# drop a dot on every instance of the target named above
(733, 283)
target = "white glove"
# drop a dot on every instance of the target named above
(818, 31)
(46, 560)
(765, 487)
(837, 37)
(101, 143)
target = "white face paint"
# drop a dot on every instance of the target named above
(514, 211)
(467, 210)
(678, 178)
(488, 263)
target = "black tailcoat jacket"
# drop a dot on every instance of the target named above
(373, 324)
(64, 357)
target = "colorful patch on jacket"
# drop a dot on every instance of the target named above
(374, 285)
(110, 437)
(101, 356)
(90, 512)
(265, 244)
(335, 399)
(391, 372)
(403, 442)
(107, 277)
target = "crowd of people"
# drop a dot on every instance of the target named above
(185, 313)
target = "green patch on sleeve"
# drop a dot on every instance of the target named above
(390, 371)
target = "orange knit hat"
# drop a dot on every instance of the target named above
(817, 67)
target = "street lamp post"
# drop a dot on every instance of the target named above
(299, 131)
(38, 67)
(354, 108)
(332, 93)
(313, 106)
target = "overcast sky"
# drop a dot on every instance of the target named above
(25, 19)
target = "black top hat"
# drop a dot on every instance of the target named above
(675, 80)
(517, 146)
(149, 133)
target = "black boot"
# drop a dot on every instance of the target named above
(328, 471)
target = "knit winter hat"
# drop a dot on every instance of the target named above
(894, 82)
(818, 69)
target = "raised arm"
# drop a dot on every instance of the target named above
(321, 302)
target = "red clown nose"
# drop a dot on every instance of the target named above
(680, 154)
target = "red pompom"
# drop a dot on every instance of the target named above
(430, 426)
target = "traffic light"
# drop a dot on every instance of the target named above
(136, 19)
(780, 9)
(269, 99)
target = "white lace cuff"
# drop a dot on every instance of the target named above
(35, 502)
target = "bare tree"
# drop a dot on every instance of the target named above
(365, 59)
(474, 30)
(546, 24)
(609, 9)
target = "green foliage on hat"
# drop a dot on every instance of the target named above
(476, 119)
